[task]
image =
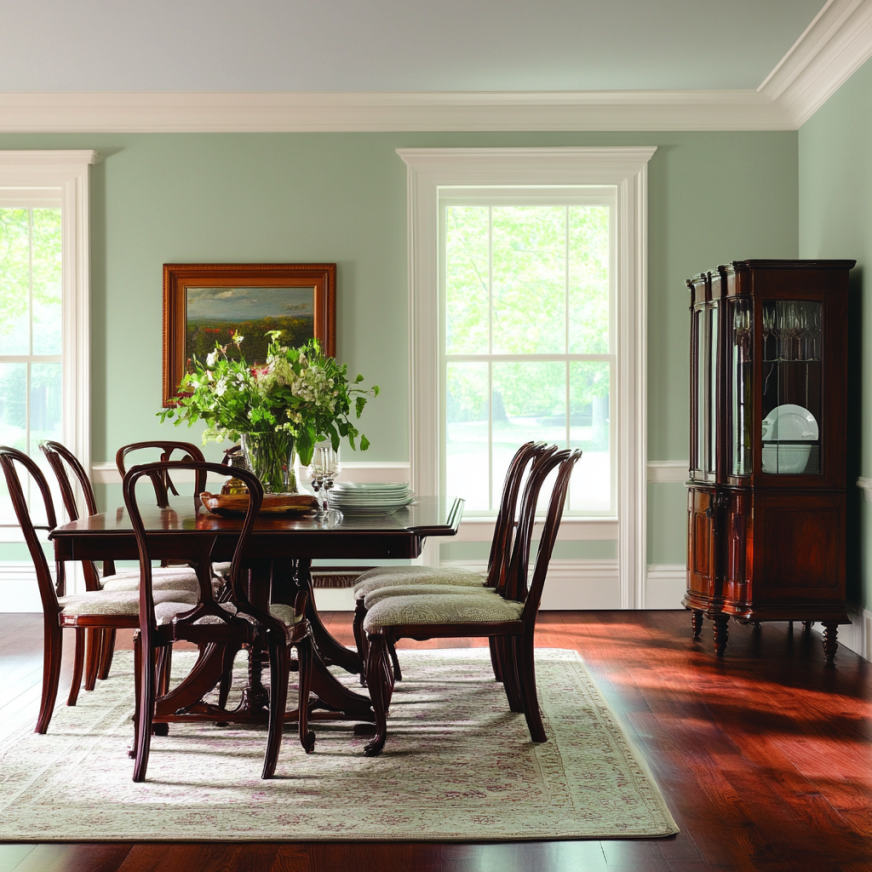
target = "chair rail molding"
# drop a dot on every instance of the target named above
(626, 168)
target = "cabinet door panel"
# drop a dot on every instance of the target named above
(701, 576)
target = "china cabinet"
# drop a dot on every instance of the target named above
(766, 498)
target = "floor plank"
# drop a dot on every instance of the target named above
(764, 757)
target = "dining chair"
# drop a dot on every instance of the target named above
(507, 615)
(403, 580)
(240, 622)
(96, 610)
(101, 643)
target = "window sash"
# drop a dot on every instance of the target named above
(564, 196)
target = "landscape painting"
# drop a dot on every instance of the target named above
(215, 314)
(208, 303)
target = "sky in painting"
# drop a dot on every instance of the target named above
(248, 304)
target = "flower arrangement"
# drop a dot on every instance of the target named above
(299, 396)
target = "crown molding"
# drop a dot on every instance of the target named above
(213, 112)
(833, 47)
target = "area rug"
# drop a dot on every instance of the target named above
(458, 766)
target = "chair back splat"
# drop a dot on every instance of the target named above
(163, 484)
(49, 591)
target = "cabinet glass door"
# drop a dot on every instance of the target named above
(740, 375)
(792, 387)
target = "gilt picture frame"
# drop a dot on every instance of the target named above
(206, 303)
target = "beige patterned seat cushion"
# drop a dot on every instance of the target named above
(382, 593)
(162, 578)
(285, 614)
(434, 609)
(388, 576)
(166, 611)
(120, 602)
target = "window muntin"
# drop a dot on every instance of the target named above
(527, 352)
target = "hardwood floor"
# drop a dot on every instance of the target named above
(764, 757)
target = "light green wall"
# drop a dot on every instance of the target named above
(159, 198)
(835, 221)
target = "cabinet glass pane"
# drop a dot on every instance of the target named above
(713, 392)
(792, 387)
(741, 327)
(699, 339)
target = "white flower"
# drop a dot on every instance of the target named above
(211, 358)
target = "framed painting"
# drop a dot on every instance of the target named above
(206, 303)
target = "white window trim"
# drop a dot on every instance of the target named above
(66, 171)
(626, 168)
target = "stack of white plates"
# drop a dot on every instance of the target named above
(371, 498)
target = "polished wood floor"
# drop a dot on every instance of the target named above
(765, 759)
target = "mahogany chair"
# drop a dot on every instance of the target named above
(98, 610)
(403, 580)
(232, 624)
(101, 643)
(163, 484)
(507, 615)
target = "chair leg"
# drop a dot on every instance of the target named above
(305, 662)
(395, 662)
(51, 673)
(495, 659)
(511, 682)
(164, 669)
(147, 696)
(360, 639)
(137, 668)
(279, 673)
(230, 652)
(376, 667)
(527, 676)
(92, 657)
(106, 654)
(78, 665)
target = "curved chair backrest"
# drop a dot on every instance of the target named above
(59, 458)
(48, 591)
(504, 527)
(160, 478)
(516, 578)
(202, 559)
(549, 533)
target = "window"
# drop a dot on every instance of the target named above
(443, 364)
(527, 340)
(30, 324)
(44, 318)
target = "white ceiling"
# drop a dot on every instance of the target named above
(394, 45)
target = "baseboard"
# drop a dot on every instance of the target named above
(857, 636)
(18, 588)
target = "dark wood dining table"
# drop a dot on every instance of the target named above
(281, 554)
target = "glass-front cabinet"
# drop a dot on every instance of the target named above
(766, 495)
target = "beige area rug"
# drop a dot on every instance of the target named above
(458, 766)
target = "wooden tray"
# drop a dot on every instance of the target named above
(236, 505)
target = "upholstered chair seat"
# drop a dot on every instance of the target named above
(425, 589)
(164, 578)
(435, 609)
(121, 602)
(393, 576)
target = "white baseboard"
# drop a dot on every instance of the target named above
(857, 636)
(665, 585)
(18, 589)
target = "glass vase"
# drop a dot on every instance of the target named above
(270, 456)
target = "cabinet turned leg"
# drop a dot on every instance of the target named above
(831, 631)
(696, 622)
(721, 633)
(806, 626)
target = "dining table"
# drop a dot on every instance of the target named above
(278, 565)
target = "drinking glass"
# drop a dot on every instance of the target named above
(768, 324)
(323, 471)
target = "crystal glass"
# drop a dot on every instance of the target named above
(323, 470)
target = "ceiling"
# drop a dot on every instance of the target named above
(395, 45)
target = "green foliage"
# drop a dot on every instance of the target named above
(297, 390)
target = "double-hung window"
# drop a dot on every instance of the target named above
(527, 320)
(527, 341)
(44, 330)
